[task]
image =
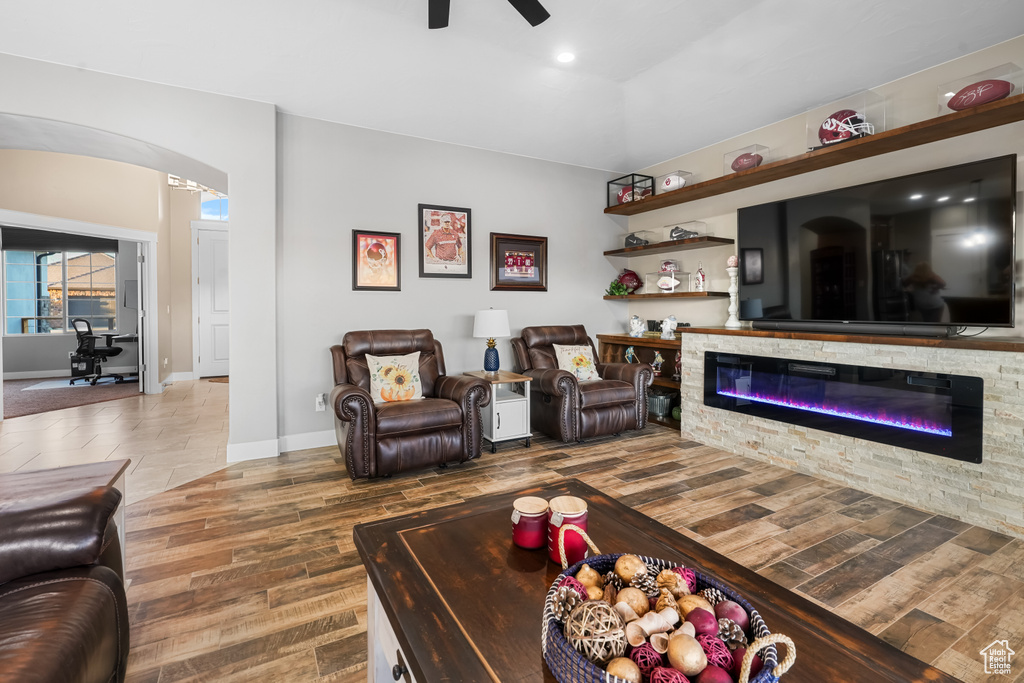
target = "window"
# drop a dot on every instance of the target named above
(45, 290)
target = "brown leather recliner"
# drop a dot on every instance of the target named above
(381, 439)
(569, 410)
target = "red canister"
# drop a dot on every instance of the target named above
(529, 522)
(567, 510)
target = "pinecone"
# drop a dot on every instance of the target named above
(647, 583)
(731, 634)
(712, 595)
(564, 601)
(613, 579)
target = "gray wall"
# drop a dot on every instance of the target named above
(336, 178)
(47, 355)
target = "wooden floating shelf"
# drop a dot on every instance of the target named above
(673, 245)
(668, 295)
(647, 342)
(951, 125)
(667, 382)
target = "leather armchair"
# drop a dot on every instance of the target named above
(569, 410)
(381, 439)
(63, 612)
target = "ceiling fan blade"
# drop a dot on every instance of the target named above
(531, 10)
(438, 13)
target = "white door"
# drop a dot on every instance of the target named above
(212, 311)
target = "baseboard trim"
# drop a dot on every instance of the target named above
(51, 374)
(179, 377)
(252, 450)
(300, 442)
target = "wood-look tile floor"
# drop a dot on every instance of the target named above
(250, 573)
(171, 438)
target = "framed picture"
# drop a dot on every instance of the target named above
(752, 266)
(445, 241)
(376, 260)
(519, 262)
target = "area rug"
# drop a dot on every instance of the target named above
(18, 401)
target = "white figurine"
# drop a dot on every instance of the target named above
(636, 326)
(668, 327)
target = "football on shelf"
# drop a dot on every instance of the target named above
(981, 92)
(845, 124)
(671, 182)
(746, 160)
(627, 194)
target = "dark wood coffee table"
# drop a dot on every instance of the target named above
(452, 599)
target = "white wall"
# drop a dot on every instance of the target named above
(336, 178)
(238, 137)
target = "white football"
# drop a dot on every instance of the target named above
(667, 282)
(672, 182)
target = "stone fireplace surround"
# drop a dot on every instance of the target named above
(989, 494)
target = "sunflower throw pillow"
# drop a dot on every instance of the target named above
(395, 378)
(579, 360)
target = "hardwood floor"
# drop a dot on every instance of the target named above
(249, 573)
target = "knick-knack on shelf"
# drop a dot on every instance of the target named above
(657, 362)
(668, 327)
(636, 326)
(678, 374)
(699, 279)
(631, 355)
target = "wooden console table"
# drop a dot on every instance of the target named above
(452, 599)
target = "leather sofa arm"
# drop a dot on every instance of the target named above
(353, 405)
(553, 382)
(467, 391)
(640, 375)
(57, 532)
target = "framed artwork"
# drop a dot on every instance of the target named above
(376, 260)
(752, 266)
(445, 241)
(519, 262)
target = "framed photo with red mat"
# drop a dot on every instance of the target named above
(376, 263)
(519, 262)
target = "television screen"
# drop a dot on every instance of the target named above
(933, 248)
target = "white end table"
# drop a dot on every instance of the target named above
(507, 417)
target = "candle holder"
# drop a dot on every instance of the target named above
(733, 322)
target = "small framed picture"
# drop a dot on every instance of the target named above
(445, 241)
(519, 262)
(376, 260)
(752, 266)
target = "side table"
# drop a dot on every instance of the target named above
(507, 417)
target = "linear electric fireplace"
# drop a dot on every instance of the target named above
(924, 411)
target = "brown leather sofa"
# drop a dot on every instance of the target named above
(381, 439)
(63, 613)
(569, 410)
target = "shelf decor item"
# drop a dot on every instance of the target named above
(850, 118)
(686, 231)
(376, 261)
(745, 159)
(630, 188)
(974, 90)
(733, 322)
(636, 326)
(639, 238)
(577, 647)
(673, 180)
(445, 240)
(668, 327)
(519, 262)
(699, 278)
(488, 325)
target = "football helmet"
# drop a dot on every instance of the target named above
(845, 124)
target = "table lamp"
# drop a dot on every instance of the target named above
(488, 325)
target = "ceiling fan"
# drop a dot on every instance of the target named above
(531, 10)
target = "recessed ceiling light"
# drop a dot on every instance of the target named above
(942, 199)
(565, 57)
(916, 196)
(969, 199)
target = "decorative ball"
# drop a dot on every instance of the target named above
(631, 280)
(688, 603)
(663, 674)
(646, 658)
(703, 621)
(732, 261)
(712, 595)
(689, 576)
(737, 663)
(717, 652)
(686, 654)
(727, 609)
(624, 668)
(597, 631)
(629, 566)
(574, 584)
(731, 634)
(636, 599)
(713, 674)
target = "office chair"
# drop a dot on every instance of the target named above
(88, 351)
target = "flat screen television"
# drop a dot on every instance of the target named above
(928, 253)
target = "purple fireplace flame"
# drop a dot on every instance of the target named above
(880, 417)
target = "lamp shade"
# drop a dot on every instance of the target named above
(490, 324)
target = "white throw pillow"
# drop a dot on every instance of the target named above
(395, 378)
(579, 360)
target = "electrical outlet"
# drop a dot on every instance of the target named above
(165, 362)
(321, 403)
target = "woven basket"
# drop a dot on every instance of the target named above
(569, 666)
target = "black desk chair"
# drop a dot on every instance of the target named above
(88, 351)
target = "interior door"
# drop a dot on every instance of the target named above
(212, 285)
(140, 310)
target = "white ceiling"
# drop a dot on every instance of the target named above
(653, 79)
